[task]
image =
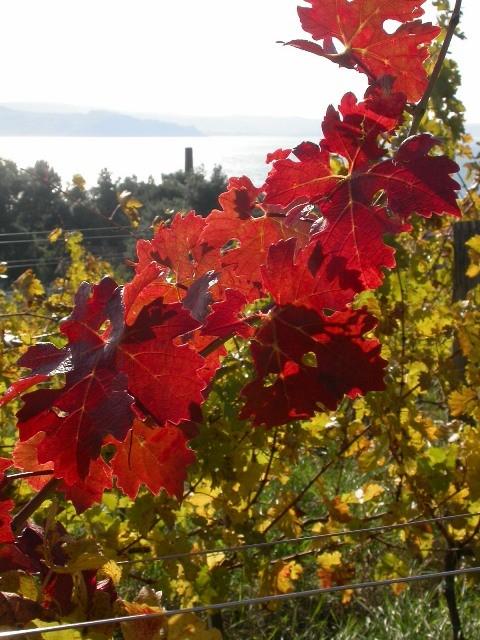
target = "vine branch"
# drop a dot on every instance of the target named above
(32, 505)
(422, 105)
(318, 475)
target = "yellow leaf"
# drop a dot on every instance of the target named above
(187, 626)
(347, 596)
(371, 491)
(147, 602)
(130, 207)
(83, 555)
(472, 462)
(329, 560)
(54, 235)
(463, 401)
(339, 510)
(110, 570)
(214, 559)
(79, 181)
(474, 254)
(399, 588)
(69, 634)
(289, 572)
(29, 285)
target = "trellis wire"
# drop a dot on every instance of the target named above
(46, 240)
(17, 264)
(48, 231)
(315, 536)
(241, 603)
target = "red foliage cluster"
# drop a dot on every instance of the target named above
(139, 360)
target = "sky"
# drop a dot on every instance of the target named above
(209, 57)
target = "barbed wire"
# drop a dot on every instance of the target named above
(246, 602)
(315, 536)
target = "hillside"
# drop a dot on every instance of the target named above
(16, 122)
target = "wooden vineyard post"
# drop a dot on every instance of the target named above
(462, 231)
(188, 160)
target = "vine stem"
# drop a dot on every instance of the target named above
(451, 562)
(27, 474)
(318, 475)
(32, 505)
(266, 475)
(422, 105)
(30, 315)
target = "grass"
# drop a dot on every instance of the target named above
(414, 615)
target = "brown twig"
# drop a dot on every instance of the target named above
(28, 474)
(264, 480)
(318, 475)
(422, 105)
(32, 505)
(27, 313)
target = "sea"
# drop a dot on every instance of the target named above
(145, 157)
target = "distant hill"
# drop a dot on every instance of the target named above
(43, 119)
(254, 125)
(17, 122)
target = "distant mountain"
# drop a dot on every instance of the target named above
(64, 120)
(254, 125)
(44, 119)
(20, 122)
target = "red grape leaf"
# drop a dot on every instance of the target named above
(94, 401)
(18, 387)
(198, 296)
(212, 358)
(224, 320)
(305, 360)
(179, 248)
(25, 458)
(83, 493)
(307, 178)
(279, 154)
(308, 279)
(44, 360)
(89, 490)
(354, 229)
(6, 506)
(162, 376)
(241, 238)
(148, 284)
(368, 48)
(104, 360)
(76, 420)
(353, 226)
(417, 182)
(16, 610)
(157, 458)
(5, 463)
(6, 534)
(353, 131)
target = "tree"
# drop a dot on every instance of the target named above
(34, 203)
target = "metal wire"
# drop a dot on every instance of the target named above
(46, 240)
(316, 536)
(62, 259)
(241, 603)
(48, 231)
